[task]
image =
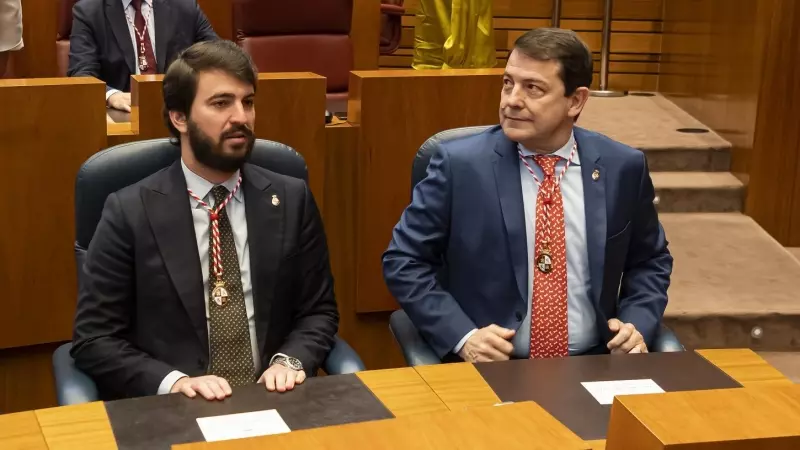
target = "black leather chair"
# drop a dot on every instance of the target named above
(109, 171)
(416, 351)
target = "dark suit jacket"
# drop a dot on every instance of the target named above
(100, 45)
(458, 256)
(141, 310)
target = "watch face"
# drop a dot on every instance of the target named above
(288, 361)
(294, 363)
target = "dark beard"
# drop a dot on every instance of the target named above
(210, 155)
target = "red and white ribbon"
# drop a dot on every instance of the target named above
(548, 195)
(216, 249)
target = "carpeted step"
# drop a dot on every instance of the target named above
(733, 285)
(688, 159)
(788, 363)
(671, 138)
(698, 192)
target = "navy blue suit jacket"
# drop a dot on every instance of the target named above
(101, 46)
(458, 256)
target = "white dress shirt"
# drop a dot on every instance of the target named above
(130, 19)
(236, 215)
(581, 316)
(10, 25)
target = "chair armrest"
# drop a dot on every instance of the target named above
(72, 385)
(416, 351)
(392, 10)
(343, 359)
(666, 341)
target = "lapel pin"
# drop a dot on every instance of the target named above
(596, 175)
(275, 200)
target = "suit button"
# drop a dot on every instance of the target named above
(518, 315)
(201, 363)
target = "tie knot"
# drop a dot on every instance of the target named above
(220, 193)
(137, 4)
(547, 163)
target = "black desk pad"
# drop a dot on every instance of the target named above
(555, 384)
(160, 421)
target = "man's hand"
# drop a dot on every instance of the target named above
(627, 339)
(120, 101)
(210, 387)
(488, 344)
(281, 378)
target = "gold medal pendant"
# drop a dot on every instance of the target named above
(544, 262)
(219, 294)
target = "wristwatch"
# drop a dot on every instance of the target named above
(287, 361)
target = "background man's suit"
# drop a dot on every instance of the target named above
(141, 312)
(101, 46)
(458, 256)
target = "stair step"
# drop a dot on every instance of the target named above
(788, 363)
(698, 192)
(688, 159)
(733, 285)
(659, 128)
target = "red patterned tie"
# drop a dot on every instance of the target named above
(142, 33)
(549, 334)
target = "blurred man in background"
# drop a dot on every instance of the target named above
(114, 39)
(10, 30)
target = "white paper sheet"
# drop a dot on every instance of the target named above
(236, 426)
(604, 391)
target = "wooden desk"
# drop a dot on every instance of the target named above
(87, 426)
(519, 426)
(402, 391)
(460, 386)
(21, 431)
(77, 427)
(421, 392)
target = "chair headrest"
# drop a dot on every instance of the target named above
(120, 166)
(419, 168)
(270, 18)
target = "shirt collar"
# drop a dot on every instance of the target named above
(126, 3)
(201, 187)
(563, 152)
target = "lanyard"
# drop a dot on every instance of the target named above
(216, 250)
(547, 196)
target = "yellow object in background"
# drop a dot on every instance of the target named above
(454, 34)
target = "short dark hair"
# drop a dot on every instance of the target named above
(180, 81)
(564, 47)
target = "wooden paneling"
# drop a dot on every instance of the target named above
(636, 34)
(147, 103)
(42, 145)
(39, 28)
(386, 106)
(774, 191)
(711, 66)
(367, 333)
(290, 108)
(26, 378)
(365, 32)
(220, 14)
